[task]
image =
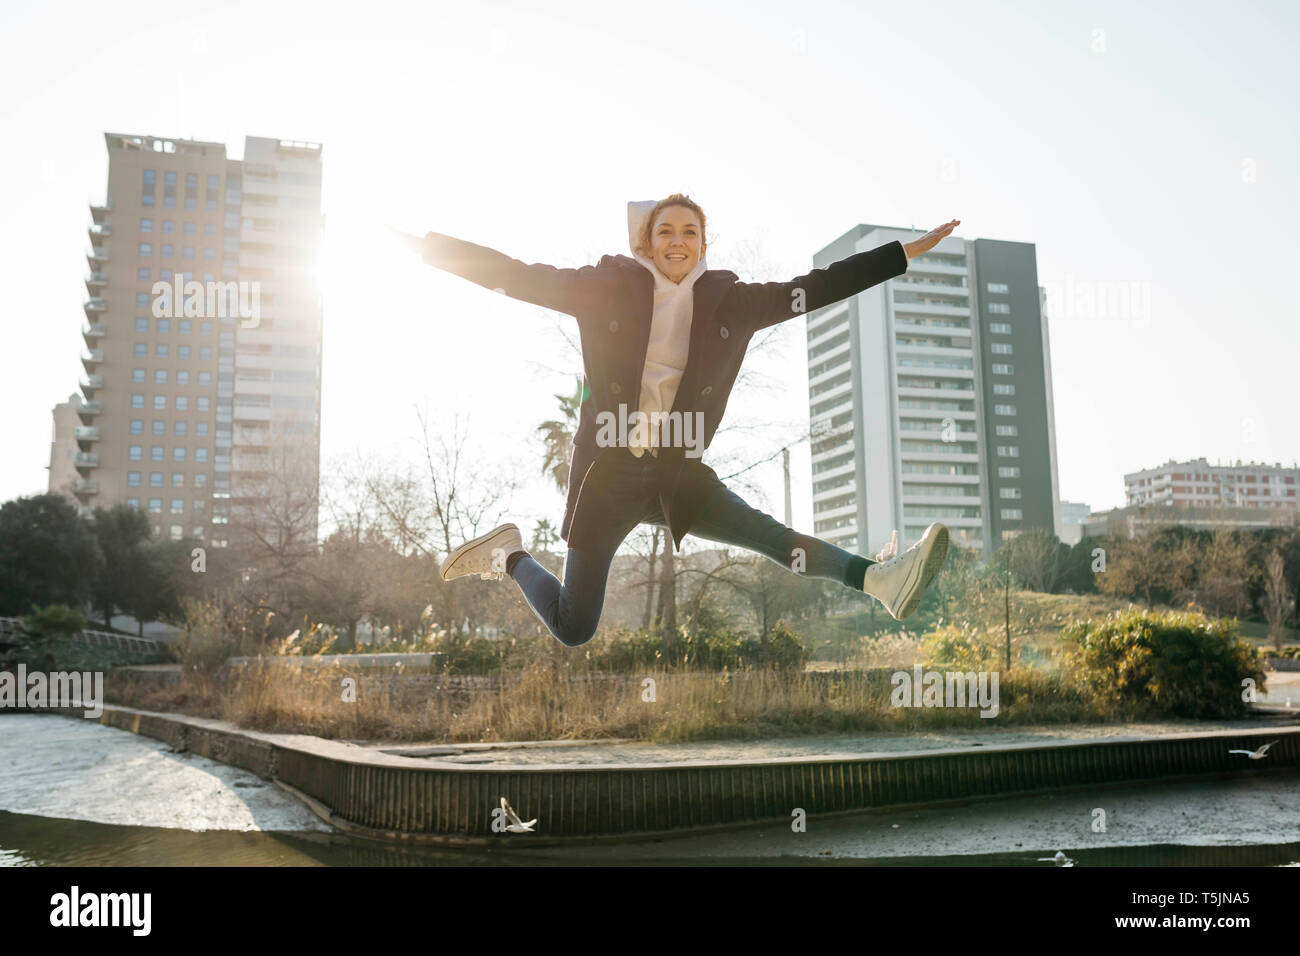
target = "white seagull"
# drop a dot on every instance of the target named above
(516, 825)
(1060, 859)
(1255, 754)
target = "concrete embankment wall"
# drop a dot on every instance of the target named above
(402, 798)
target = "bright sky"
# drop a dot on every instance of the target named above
(1153, 144)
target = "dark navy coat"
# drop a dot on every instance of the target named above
(613, 302)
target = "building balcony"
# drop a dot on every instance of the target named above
(95, 304)
(85, 486)
(98, 232)
(87, 433)
(91, 382)
(88, 410)
(96, 280)
(99, 210)
(92, 358)
(96, 256)
(93, 332)
(85, 460)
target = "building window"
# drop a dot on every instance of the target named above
(178, 454)
(137, 375)
(200, 454)
(164, 326)
(1009, 492)
(1007, 431)
(1008, 451)
(146, 250)
(159, 427)
(182, 352)
(201, 480)
(160, 376)
(1001, 348)
(166, 251)
(160, 402)
(169, 226)
(133, 479)
(137, 426)
(133, 503)
(998, 288)
(146, 190)
(1000, 328)
(1003, 369)
(188, 228)
(1001, 308)
(140, 350)
(187, 252)
(205, 378)
(1008, 471)
(181, 427)
(137, 400)
(156, 453)
(205, 353)
(155, 505)
(209, 228)
(178, 506)
(142, 275)
(1012, 514)
(205, 328)
(1004, 390)
(202, 403)
(182, 403)
(135, 452)
(182, 377)
(142, 325)
(161, 350)
(1004, 409)
(155, 479)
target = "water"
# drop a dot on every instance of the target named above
(43, 841)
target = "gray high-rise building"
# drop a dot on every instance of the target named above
(191, 411)
(931, 398)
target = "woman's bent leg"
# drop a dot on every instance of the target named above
(571, 610)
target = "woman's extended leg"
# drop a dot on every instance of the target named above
(727, 519)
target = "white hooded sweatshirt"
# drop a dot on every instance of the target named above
(670, 330)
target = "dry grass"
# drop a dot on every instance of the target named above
(547, 703)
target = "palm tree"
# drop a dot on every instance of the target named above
(557, 437)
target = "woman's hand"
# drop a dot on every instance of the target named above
(931, 239)
(415, 243)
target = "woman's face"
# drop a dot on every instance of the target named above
(676, 242)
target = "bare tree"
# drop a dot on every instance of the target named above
(1276, 601)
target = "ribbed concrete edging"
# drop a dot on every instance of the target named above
(426, 801)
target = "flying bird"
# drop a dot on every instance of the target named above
(1060, 859)
(1255, 754)
(516, 825)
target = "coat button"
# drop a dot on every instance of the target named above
(723, 332)
(707, 391)
(613, 326)
(615, 389)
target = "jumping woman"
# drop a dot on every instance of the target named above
(663, 338)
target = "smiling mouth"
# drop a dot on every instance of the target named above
(676, 255)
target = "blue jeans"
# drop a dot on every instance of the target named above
(572, 610)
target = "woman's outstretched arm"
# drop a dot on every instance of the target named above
(562, 290)
(771, 302)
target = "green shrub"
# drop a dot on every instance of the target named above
(1175, 663)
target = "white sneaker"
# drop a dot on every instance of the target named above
(484, 556)
(899, 581)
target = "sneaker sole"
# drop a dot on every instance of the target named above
(450, 565)
(937, 551)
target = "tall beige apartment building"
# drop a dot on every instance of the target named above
(194, 407)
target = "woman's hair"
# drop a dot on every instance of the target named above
(676, 199)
